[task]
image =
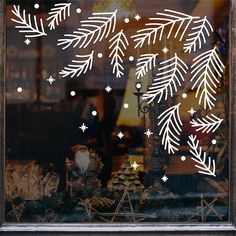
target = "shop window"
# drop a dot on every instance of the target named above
(117, 111)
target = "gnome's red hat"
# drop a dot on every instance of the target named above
(77, 147)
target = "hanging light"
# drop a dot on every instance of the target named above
(125, 8)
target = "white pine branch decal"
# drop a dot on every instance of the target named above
(170, 19)
(58, 14)
(207, 66)
(145, 63)
(201, 157)
(79, 66)
(119, 43)
(94, 29)
(171, 75)
(207, 124)
(170, 128)
(25, 24)
(194, 40)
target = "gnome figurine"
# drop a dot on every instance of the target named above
(83, 170)
(82, 157)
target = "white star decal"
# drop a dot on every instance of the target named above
(191, 111)
(83, 127)
(27, 41)
(51, 80)
(135, 165)
(137, 17)
(164, 178)
(108, 89)
(120, 135)
(165, 50)
(148, 133)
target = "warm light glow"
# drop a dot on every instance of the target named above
(125, 7)
(129, 116)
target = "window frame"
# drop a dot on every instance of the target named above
(115, 229)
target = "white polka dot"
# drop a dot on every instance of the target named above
(126, 105)
(138, 85)
(213, 141)
(131, 58)
(183, 158)
(100, 55)
(36, 6)
(126, 20)
(19, 89)
(94, 113)
(72, 93)
(184, 95)
(78, 10)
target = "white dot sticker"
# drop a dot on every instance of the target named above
(138, 85)
(78, 10)
(126, 105)
(94, 113)
(126, 20)
(100, 55)
(36, 6)
(184, 95)
(72, 93)
(213, 141)
(19, 89)
(183, 158)
(131, 58)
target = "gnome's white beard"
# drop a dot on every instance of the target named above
(82, 160)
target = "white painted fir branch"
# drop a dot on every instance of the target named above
(206, 70)
(200, 157)
(198, 36)
(78, 67)
(145, 62)
(207, 124)
(92, 30)
(170, 76)
(119, 44)
(173, 20)
(26, 25)
(171, 127)
(58, 13)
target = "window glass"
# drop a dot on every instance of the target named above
(117, 111)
